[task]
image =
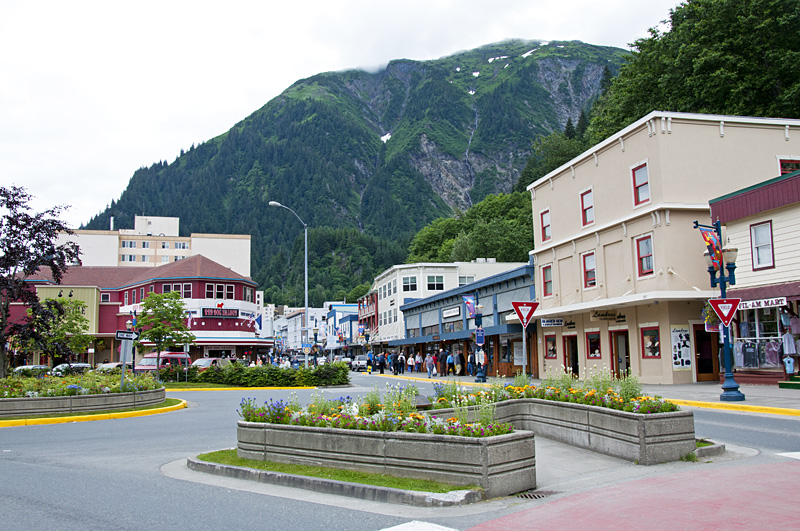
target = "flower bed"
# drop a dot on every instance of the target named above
(500, 465)
(25, 407)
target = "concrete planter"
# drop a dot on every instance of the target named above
(646, 439)
(25, 407)
(501, 465)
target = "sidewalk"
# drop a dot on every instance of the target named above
(758, 398)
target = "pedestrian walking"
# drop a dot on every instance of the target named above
(471, 363)
(418, 362)
(411, 363)
(429, 364)
(442, 362)
(401, 362)
(451, 365)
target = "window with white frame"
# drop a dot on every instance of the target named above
(761, 245)
(409, 283)
(128, 244)
(587, 207)
(164, 259)
(127, 258)
(166, 288)
(394, 286)
(165, 245)
(644, 255)
(126, 298)
(435, 282)
(545, 220)
(105, 297)
(547, 281)
(187, 291)
(219, 291)
(641, 185)
(248, 294)
(589, 270)
(145, 245)
(229, 291)
(141, 293)
(182, 245)
(463, 280)
(145, 258)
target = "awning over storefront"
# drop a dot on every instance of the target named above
(790, 290)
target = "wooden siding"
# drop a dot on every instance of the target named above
(771, 195)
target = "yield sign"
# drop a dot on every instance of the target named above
(725, 308)
(525, 311)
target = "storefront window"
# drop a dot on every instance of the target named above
(550, 347)
(759, 323)
(505, 352)
(651, 346)
(455, 326)
(593, 345)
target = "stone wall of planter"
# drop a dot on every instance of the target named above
(23, 407)
(501, 465)
(647, 439)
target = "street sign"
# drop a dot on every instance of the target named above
(131, 335)
(725, 309)
(480, 336)
(525, 311)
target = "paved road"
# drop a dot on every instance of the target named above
(128, 474)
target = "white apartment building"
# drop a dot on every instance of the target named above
(407, 282)
(620, 274)
(155, 241)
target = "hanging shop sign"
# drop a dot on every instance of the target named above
(555, 321)
(604, 315)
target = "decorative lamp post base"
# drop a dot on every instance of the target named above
(730, 390)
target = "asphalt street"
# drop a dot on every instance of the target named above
(130, 474)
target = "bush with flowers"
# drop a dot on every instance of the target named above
(394, 412)
(79, 384)
(599, 388)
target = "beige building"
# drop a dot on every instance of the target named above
(155, 241)
(620, 273)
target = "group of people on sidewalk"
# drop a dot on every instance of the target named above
(443, 364)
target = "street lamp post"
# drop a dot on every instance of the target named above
(730, 389)
(305, 231)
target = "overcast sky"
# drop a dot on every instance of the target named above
(90, 91)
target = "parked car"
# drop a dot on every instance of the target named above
(347, 360)
(203, 364)
(359, 363)
(148, 361)
(31, 370)
(70, 368)
(108, 367)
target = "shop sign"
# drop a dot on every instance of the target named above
(556, 321)
(451, 312)
(604, 315)
(763, 303)
(570, 325)
(220, 312)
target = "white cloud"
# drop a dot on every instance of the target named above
(91, 90)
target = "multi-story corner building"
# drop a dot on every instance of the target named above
(336, 329)
(407, 282)
(761, 222)
(155, 241)
(223, 307)
(620, 274)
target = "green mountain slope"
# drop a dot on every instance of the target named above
(375, 156)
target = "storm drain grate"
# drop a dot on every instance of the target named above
(533, 495)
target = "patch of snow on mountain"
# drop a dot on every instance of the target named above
(472, 92)
(559, 46)
(526, 54)
(458, 69)
(544, 43)
(385, 138)
(506, 66)
(476, 74)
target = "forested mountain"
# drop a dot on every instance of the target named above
(368, 159)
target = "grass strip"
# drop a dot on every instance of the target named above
(172, 386)
(229, 457)
(702, 442)
(166, 403)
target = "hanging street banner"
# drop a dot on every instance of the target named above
(525, 311)
(480, 336)
(725, 309)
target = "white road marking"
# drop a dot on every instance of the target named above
(418, 526)
(791, 455)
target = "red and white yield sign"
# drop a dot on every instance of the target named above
(725, 309)
(525, 311)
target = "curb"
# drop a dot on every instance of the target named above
(737, 407)
(339, 488)
(710, 451)
(188, 389)
(89, 418)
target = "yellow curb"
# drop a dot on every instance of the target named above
(737, 407)
(420, 379)
(89, 418)
(236, 389)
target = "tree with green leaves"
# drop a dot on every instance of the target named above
(548, 153)
(56, 327)
(717, 57)
(163, 322)
(27, 246)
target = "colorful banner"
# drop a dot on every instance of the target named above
(714, 246)
(469, 302)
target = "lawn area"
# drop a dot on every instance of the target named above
(166, 403)
(229, 457)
